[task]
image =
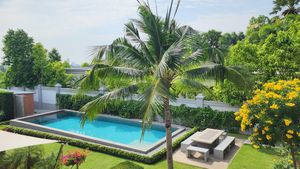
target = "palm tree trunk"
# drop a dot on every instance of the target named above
(168, 133)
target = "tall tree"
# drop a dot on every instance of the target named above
(271, 51)
(153, 66)
(288, 7)
(17, 48)
(54, 56)
(40, 62)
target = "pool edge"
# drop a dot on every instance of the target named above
(19, 122)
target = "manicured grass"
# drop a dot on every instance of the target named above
(104, 161)
(249, 158)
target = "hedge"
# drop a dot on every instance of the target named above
(6, 105)
(100, 148)
(182, 115)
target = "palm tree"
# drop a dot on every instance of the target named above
(289, 5)
(213, 60)
(152, 66)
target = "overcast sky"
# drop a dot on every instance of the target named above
(72, 26)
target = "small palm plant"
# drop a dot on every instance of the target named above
(151, 66)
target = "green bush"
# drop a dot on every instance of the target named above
(127, 165)
(183, 115)
(100, 148)
(126, 109)
(204, 118)
(6, 105)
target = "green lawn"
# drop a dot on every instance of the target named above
(104, 161)
(246, 158)
(249, 158)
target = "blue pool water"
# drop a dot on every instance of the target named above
(128, 133)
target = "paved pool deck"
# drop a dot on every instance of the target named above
(212, 162)
(10, 141)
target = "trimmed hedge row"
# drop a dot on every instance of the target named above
(125, 109)
(205, 118)
(183, 115)
(100, 148)
(6, 105)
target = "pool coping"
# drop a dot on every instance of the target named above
(18, 122)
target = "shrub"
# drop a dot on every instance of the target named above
(183, 115)
(6, 105)
(100, 148)
(204, 118)
(127, 165)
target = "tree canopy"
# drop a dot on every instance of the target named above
(17, 48)
(54, 56)
(271, 49)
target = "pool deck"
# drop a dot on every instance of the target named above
(10, 141)
(212, 163)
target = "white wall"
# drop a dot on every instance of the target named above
(48, 99)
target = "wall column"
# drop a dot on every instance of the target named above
(200, 100)
(40, 96)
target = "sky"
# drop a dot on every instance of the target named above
(73, 26)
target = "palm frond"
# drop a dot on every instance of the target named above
(188, 84)
(130, 55)
(204, 71)
(98, 105)
(153, 101)
(171, 59)
(237, 76)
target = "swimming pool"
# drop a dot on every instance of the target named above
(107, 130)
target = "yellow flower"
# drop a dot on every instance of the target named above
(255, 130)
(289, 136)
(287, 122)
(259, 139)
(269, 122)
(274, 106)
(256, 146)
(290, 131)
(263, 132)
(290, 104)
(277, 87)
(290, 161)
(266, 128)
(268, 137)
(292, 95)
(298, 133)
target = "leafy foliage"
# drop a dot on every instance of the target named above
(6, 105)
(273, 114)
(54, 56)
(40, 60)
(271, 48)
(29, 158)
(29, 63)
(17, 49)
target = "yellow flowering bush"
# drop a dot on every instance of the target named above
(273, 114)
